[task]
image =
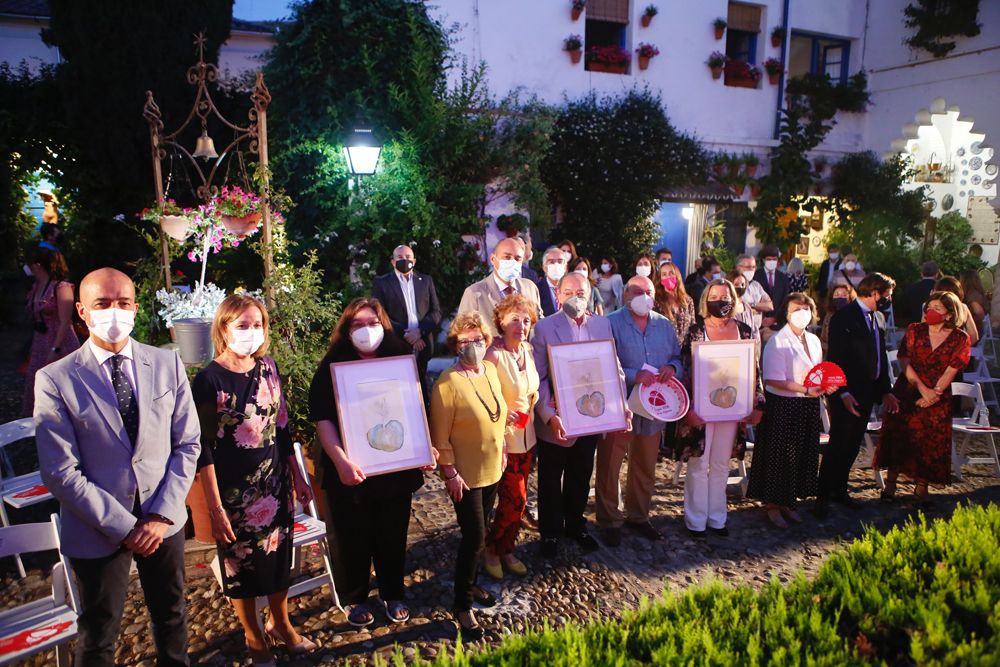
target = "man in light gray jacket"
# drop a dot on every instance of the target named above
(118, 440)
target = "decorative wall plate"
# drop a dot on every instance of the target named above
(960, 152)
(976, 179)
(947, 202)
(977, 148)
(991, 169)
(961, 193)
(975, 163)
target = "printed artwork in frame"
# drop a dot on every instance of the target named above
(588, 390)
(383, 425)
(724, 377)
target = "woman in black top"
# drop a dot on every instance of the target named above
(368, 517)
(248, 469)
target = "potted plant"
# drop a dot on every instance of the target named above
(512, 224)
(648, 13)
(239, 211)
(755, 189)
(720, 27)
(173, 220)
(611, 58)
(774, 68)
(750, 162)
(820, 164)
(716, 61)
(574, 46)
(733, 162)
(778, 36)
(189, 315)
(645, 52)
(577, 7)
(739, 185)
(741, 74)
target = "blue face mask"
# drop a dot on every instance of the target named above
(508, 269)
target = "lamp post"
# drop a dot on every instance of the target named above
(362, 150)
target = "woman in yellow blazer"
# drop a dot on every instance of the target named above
(468, 422)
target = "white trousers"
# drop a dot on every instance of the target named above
(705, 483)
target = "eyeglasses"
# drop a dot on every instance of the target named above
(471, 341)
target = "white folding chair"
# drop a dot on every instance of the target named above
(894, 368)
(18, 491)
(49, 622)
(964, 429)
(307, 529)
(987, 340)
(981, 375)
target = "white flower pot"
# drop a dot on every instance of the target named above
(194, 336)
(177, 227)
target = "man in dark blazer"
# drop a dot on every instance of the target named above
(832, 264)
(412, 304)
(774, 282)
(915, 295)
(857, 345)
(553, 268)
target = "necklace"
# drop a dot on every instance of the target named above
(494, 416)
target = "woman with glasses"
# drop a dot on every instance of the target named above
(468, 423)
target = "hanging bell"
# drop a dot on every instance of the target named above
(205, 148)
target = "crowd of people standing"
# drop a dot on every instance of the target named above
(492, 421)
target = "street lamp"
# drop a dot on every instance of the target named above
(362, 152)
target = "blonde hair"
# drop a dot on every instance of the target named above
(465, 322)
(229, 311)
(703, 301)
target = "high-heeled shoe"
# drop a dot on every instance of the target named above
(305, 645)
(888, 494)
(468, 625)
(494, 569)
(513, 565)
(261, 658)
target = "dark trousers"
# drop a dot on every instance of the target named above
(367, 532)
(846, 435)
(473, 510)
(103, 585)
(563, 485)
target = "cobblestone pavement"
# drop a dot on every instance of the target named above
(572, 588)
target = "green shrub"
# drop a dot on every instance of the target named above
(921, 594)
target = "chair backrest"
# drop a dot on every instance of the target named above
(973, 392)
(10, 433)
(311, 509)
(893, 356)
(26, 538)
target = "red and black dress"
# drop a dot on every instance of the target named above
(917, 441)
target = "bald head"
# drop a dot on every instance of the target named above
(107, 288)
(638, 285)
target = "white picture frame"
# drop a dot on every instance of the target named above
(380, 408)
(589, 394)
(724, 379)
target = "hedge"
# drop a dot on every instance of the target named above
(926, 594)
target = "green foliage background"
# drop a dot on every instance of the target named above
(611, 160)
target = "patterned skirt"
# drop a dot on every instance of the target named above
(785, 463)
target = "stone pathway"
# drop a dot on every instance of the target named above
(572, 588)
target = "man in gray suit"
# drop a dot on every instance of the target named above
(565, 465)
(118, 440)
(483, 296)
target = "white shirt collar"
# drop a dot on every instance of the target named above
(404, 277)
(103, 355)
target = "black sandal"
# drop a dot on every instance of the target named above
(483, 597)
(470, 631)
(888, 495)
(359, 615)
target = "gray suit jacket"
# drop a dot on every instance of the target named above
(556, 329)
(483, 296)
(85, 456)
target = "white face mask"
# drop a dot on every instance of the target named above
(641, 304)
(771, 264)
(367, 339)
(643, 270)
(566, 256)
(27, 271)
(605, 267)
(850, 266)
(245, 342)
(834, 256)
(582, 272)
(112, 325)
(748, 275)
(716, 276)
(508, 269)
(555, 271)
(575, 306)
(800, 319)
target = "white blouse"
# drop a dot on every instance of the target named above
(785, 360)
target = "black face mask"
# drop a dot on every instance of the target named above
(720, 308)
(740, 291)
(838, 303)
(883, 304)
(404, 265)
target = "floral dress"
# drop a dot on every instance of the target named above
(690, 440)
(244, 427)
(44, 311)
(917, 441)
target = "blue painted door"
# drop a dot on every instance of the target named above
(674, 232)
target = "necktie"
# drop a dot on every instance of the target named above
(507, 291)
(770, 279)
(878, 356)
(128, 408)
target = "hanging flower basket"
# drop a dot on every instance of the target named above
(646, 20)
(716, 61)
(574, 46)
(777, 36)
(739, 189)
(241, 226)
(719, 25)
(577, 8)
(716, 72)
(177, 227)
(645, 52)
(774, 68)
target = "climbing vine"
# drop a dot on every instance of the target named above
(937, 22)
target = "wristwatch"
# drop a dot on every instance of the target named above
(55, 349)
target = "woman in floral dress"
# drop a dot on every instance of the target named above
(248, 470)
